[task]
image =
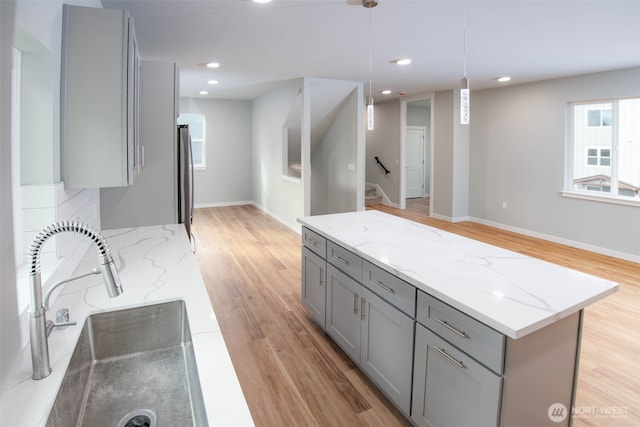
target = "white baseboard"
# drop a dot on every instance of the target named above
(293, 226)
(563, 241)
(217, 205)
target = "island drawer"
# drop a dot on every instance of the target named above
(471, 336)
(392, 289)
(345, 260)
(314, 241)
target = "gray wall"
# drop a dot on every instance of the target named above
(281, 197)
(384, 141)
(333, 163)
(518, 156)
(227, 178)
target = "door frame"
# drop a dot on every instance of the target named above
(403, 139)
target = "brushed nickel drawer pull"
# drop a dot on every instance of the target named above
(451, 328)
(355, 303)
(362, 309)
(385, 287)
(321, 277)
(449, 357)
(342, 260)
(312, 241)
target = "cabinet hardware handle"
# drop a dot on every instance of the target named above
(342, 260)
(312, 241)
(449, 357)
(321, 277)
(451, 328)
(363, 306)
(385, 287)
(355, 303)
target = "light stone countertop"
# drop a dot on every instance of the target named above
(510, 292)
(155, 265)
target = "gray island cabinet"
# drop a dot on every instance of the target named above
(453, 331)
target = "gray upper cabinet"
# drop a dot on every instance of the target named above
(100, 99)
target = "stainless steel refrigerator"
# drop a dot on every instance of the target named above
(185, 179)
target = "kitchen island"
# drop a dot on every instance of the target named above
(155, 265)
(452, 330)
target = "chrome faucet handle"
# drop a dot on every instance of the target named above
(62, 315)
(62, 321)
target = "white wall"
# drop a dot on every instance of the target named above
(517, 156)
(42, 20)
(227, 178)
(9, 330)
(283, 198)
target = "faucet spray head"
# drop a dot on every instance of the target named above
(111, 277)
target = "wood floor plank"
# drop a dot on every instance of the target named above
(293, 374)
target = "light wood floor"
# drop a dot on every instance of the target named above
(292, 373)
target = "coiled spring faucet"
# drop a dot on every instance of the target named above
(38, 309)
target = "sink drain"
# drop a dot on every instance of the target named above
(138, 418)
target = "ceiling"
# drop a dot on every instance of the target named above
(259, 45)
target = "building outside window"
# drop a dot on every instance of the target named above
(605, 148)
(197, 130)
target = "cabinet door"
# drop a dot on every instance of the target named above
(313, 285)
(97, 118)
(386, 350)
(134, 144)
(343, 311)
(450, 388)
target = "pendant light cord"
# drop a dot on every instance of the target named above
(370, 57)
(464, 39)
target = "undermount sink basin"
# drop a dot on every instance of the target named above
(132, 367)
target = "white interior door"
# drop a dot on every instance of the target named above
(414, 162)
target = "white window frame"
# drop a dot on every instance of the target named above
(595, 195)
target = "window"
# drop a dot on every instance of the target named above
(598, 156)
(197, 130)
(599, 117)
(605, 149)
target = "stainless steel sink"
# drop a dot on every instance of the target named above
(132, 367)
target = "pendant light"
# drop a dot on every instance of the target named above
(369, 4)
(464, 83)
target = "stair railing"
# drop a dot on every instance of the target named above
(386, 171)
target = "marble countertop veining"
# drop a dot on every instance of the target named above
(155, 265)
(508, 291)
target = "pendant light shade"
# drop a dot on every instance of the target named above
(370, 116)
(369, 3)
(464, 101)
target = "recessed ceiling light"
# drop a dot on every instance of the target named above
(503, 79)
(204, 92)
(213, 64)
(402, 61)
(213, 82)
(262, 1)
(386, 92)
